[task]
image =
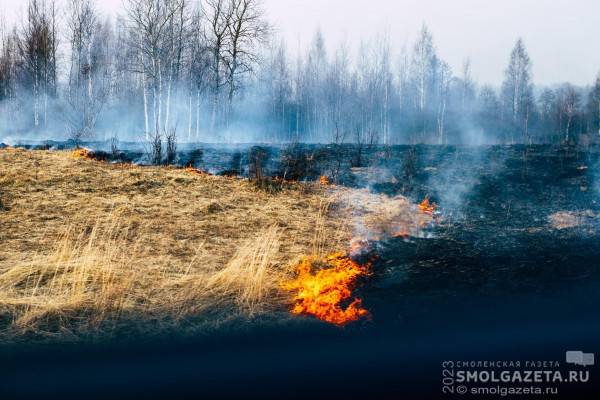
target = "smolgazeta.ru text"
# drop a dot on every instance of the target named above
(521, 376)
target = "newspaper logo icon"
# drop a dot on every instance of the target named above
(580, 358)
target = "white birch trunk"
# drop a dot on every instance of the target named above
(189, 135)
(160, 89)
(197, 115)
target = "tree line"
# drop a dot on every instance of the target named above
(214, 70)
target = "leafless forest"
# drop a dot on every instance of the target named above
(216, 71)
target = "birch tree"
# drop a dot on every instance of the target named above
(38, 46)
(82, 101)
(422, 66)
(8, 63)
(219, 18)
(569, 106)
(444, 80)
(199, 69)
(517, 88)
(247, 30)
(152, 27)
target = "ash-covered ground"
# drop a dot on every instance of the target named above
(509, 271)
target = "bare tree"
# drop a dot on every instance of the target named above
(247, 30)
(384, 87)
(219, 15)
(198, 69)
(547, 111)
(276, 89)
(517, 88)
(171, 150)
(178, 33)
(8, 63)
(569, 104)
(152, 26)
(37, 50)
(488, 112)
(467, 89)
(423, 73)
(421, 65)
(84, 100)
(444, 79)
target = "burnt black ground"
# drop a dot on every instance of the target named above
(494, 281)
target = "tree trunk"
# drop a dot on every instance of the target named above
(168, 106)
(189, 115)
(197, 114)
(160, 89)
(145, 93)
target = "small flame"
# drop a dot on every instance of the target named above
(322, 292)
(323, 180)
(82, 153)
(195, 171)
(426, 207)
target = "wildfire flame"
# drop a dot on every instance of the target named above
(322, 293)
(426, 207)
(323, 180)
(82, 153)
(195, 171)
(323, 286)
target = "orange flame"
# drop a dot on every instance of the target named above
(195, 171)
(323, 180)
(426, 207)
(82, 153)
(322, 292)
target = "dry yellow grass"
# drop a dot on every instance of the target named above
(88, 246)
(89, 249)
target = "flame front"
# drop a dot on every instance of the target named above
(323, 180)
(322, 293)
(427, 207)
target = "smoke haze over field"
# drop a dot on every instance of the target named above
(388, 72)
(557, 32)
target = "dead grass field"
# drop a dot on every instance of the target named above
(90, 249)
(87, 246)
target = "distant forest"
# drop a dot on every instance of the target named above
(215, 71)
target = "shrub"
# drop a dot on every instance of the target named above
(171, 147)
(156, 149)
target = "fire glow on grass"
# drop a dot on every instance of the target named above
(323, 180)
(321, 293)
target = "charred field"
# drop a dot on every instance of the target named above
(506, 266)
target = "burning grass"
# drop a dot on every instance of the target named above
(82, 153)
(91, 249)
(323, 180)
(323, 285)
(377, 217)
